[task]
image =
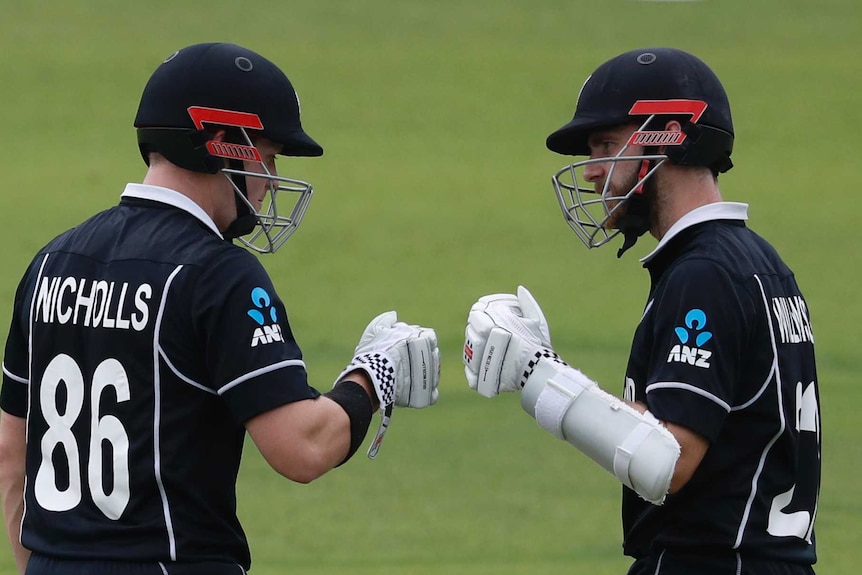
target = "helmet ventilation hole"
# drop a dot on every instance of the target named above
(244, 64)
(646, 58)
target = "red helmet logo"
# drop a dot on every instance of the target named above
(694, 108)
(201, 116)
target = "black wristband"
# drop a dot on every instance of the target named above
(355, 402)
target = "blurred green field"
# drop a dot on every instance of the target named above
(435, 189)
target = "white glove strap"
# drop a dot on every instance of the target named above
(386, 416)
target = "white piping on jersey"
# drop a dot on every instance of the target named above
(14, 377)
(164, 570)
(181, 376)
(707, 213)
(760, 391)
(688, 387)
(157, 457)
(646, 310)
(30, 370)
(30, 344)
(261, 371)
(781, 428)
(658, 565)
(172, 198)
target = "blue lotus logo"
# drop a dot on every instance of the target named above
(262, 303)
(695, 320)
(263, 308)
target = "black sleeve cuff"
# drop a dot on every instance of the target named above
(13, 397)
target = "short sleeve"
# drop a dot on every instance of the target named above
(699, 331)
(16, 359)
(252, 359)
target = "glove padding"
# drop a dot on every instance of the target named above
(504, 334)
(402, 360)
(403, 363)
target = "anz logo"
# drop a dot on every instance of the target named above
(262, 312)
(695, 324)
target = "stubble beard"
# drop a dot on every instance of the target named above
(616, 207)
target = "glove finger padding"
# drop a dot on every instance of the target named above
(499, 369)
(419, 370)
(503, 332)
(488, 366)
(479, 326)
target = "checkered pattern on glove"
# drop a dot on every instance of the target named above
(540, 354)
(381, 370)
(403, 363)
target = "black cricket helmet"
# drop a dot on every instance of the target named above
(645, 87)
(211, 86)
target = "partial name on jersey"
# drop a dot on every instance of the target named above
(791, 314)
(93, 303)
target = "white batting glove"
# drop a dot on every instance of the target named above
(403, 363)
(504, 334)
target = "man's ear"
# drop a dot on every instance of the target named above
(673, 126)
(219, 135)
(670, 126)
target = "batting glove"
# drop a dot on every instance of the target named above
(505, 336)
(403, 363)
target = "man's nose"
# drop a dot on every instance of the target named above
(594, 172)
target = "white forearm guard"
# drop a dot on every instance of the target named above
(635, 447)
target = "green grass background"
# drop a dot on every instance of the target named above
(434, 190)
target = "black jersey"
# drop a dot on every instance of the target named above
(725, 348)
(141, 341)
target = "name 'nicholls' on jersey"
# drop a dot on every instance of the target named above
(141, 342)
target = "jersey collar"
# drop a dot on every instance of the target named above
(171, 198)
(707, 213)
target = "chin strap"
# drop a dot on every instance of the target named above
(242, 226)
(246, 221)
(635, 222)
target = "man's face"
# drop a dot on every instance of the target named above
(258, 187)
(613, 179)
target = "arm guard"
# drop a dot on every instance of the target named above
(634, 446)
